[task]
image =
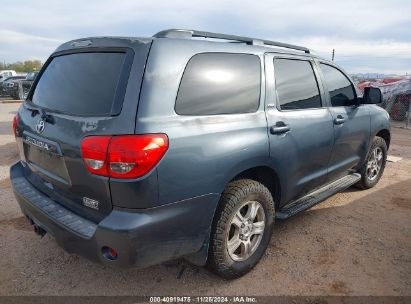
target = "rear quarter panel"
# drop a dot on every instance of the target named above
(205, 152)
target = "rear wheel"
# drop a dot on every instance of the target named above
(373, 168)
(242, 228)
(14, 96)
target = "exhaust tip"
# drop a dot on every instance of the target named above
(40, 231)
(37, 229)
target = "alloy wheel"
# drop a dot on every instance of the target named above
(246, 230)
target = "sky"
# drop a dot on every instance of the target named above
(368, 36)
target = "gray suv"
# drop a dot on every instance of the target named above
(135, 151)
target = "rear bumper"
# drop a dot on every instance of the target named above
(141, 238)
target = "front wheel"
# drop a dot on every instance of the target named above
(241, 229)
(371, 171)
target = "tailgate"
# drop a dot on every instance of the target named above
(79, 93)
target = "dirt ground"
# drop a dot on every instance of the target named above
(355, 243)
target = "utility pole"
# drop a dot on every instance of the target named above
(332, 57)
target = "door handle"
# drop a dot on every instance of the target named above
(339, 120)
(279, 128)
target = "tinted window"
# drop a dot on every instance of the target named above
(296, 84)
(31, 76)
(82, 83)
(340, 88)
(216, 83)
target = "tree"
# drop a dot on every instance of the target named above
(19, 66)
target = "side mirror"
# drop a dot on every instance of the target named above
(372, 96)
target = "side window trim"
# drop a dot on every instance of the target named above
(316, 75)
(325, 86)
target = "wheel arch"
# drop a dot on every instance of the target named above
(386, 135)
(266, 176)
(260, 173)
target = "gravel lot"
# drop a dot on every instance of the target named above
(356, 243)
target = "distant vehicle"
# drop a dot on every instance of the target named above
(6, 74)
(8, 82)
(396, 95)
(18, 89)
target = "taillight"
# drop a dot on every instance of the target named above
(127, 156)
(15, 124)
(94, 151)
(132, 156)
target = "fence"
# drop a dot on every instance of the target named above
(396, 99)
(399, 108)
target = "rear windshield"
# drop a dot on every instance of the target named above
(80, 84)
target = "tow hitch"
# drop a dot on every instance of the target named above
(40, 231)
(37, 229)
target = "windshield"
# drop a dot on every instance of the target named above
(80, 83)
(31, 75)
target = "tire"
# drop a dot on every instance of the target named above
(14, 96)
(240, 197)
(366, 181)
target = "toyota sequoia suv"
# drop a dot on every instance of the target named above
(188, 144)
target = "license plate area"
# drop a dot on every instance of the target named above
(44, 156)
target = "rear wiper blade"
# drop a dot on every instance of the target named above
(34, 112)
(46, 117)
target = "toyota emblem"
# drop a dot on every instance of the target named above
(40, 126)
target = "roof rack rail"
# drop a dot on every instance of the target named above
(188, 34)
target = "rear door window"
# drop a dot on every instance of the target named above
(220, 83)
(296, 85)
(81, 83)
